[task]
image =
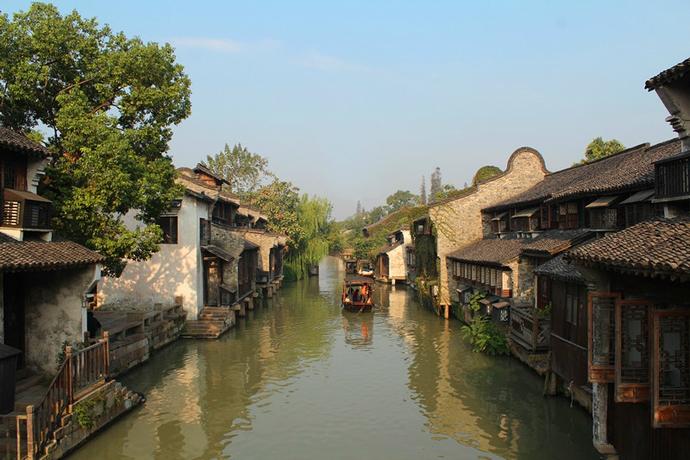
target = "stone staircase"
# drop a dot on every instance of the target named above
(212, 322)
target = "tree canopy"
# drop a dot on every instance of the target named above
(108, 104)
(485, 173)
(400, 199)
(599, 148)
(243, 169)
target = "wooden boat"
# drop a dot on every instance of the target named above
(357, 295)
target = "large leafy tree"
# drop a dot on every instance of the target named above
(400, 199)
(280, 201)
(599, 148)
(107, 104)
(243, 169)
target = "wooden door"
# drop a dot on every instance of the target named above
(212, 280)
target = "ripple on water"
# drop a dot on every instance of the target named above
(298, 379)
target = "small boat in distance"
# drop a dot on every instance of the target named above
(357, 295)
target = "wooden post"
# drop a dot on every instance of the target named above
(30, 432)
(106, 345)
(69, 368)
(18, 423)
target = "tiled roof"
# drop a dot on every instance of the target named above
(500, 251)
(389, 247)
(659, 245)
(628, 170)
(559, 268)
(668, 75)
(187, 178)
(39, 255)
(14, 140)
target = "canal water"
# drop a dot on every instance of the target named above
(299, 379)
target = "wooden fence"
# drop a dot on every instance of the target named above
(80, 372)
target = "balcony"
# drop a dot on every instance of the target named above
(673, 178)
(25, 210)
(529, 330)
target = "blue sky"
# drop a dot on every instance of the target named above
(355, 100)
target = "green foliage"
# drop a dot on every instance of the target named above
(377, 213)
(485, 173)
(280, 201)
(446, 191)
(243, 169)
(474, 303)
(83, 412)
(544, 313)
(401, 199)
(485, 337)
(364, 248)
(425, 256)
(599, 148)
(314, 221)
(108, 103)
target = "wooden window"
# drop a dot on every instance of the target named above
(632, 350)
(601, 335)
(169, 226)
(568, 216)
(571, 306)
(543, 291)
(671, 368)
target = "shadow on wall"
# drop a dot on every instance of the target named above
(173, 271)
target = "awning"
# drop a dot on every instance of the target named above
(639, 197)
(218, 252)
(500, 216)
(501, 304)
(20, 195)
(602, 202)
(526, 213)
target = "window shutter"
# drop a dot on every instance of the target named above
(671, 368)
(601, 336)
(632, 350)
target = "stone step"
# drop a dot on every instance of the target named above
(205, 329)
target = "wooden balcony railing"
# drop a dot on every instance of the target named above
(20, 211)
(528, 330)
(80, 372)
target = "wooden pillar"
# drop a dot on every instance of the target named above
(68, 370)
(30, 432)
(106, 345)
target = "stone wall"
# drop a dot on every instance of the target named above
(265, 240)
(91, 414)
(232, 242)
(459, 222)
(54, 313)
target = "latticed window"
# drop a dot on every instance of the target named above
(601, 331)
(671, 371)
(632, 350)
(568, 216)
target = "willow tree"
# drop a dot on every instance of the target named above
(107, 104)
(314, 215)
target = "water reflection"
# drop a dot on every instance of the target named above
(300, 379)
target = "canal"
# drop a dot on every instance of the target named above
(298, 379)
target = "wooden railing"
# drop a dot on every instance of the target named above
(26, 214)
(79, 373)
(673, 178)
(527, 329)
